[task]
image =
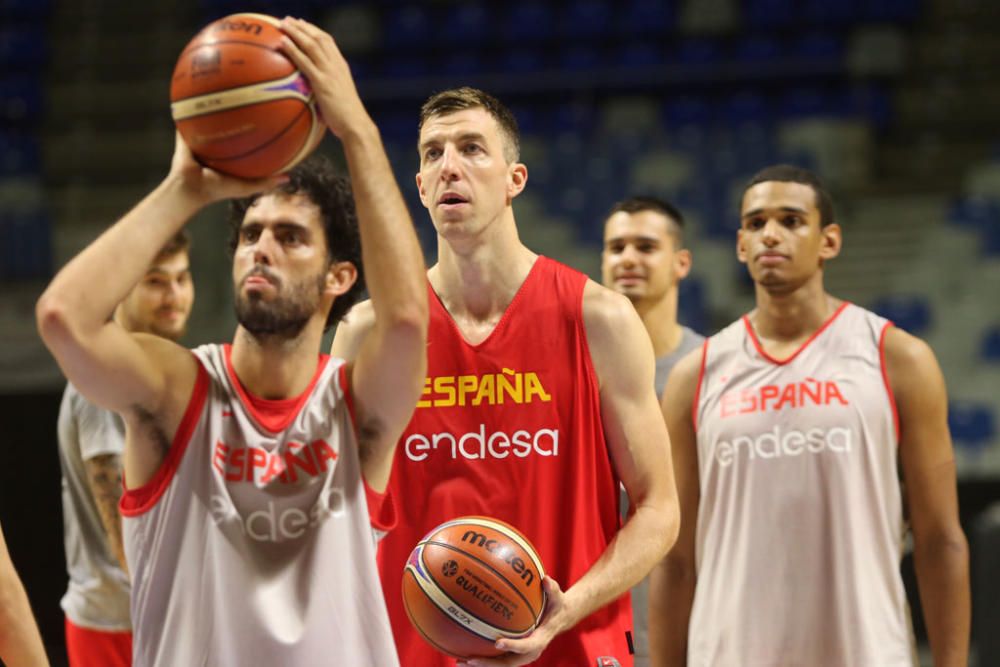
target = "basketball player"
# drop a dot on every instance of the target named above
(538, 401)
(789, 429)
(20, 642)
(645, 259)
(247, 467)
(91, 442)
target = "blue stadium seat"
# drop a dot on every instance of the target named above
(972, 425)
(406, 26)
(586, 19)
(756, 49)
(468, 24)
(989, 348)
(25, 246)
(769, 13)
(20, 100)
(687, 110)
(975, 213)
(410, 66)
(638, 54)
(462, 65)
(579, 58)
(19, 154)
(644, 17)
(912, 313)
(819, 47)
(826, 13)
(895, 11)
(698, 51)
(529, 21)
(691, 305)
(870, 101)
(521, 61)
(22, 48)
(574, 117)
(805, 101)
(24, 9)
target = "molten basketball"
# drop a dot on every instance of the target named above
(471, 581)
(241, 105)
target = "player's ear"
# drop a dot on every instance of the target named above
(682, 263)
(833, 241)
(517, 178)
(741, 250)
(340, 278)
(420, 190)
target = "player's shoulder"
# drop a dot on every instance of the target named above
(606, 306)
(903, 350)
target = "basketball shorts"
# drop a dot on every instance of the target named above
(97, 648)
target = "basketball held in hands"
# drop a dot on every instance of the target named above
(239, 103)
(470, 582)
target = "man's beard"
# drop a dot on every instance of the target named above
(285, 317)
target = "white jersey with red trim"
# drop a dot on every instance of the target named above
(253, 543)
(800, 524)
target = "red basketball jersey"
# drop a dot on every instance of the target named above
(511, 428)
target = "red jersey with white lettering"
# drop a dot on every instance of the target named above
(800, 524)
(253, 543)
(511, 428)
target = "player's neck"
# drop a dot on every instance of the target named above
(478, 279)
(792, 316)
(660, 320)
(274, 369)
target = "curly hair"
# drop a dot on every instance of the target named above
(317, 180)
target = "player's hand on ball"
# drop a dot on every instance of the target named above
(528, 649)
(316, 55)
(207, 185)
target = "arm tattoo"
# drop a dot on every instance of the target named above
(105, 476)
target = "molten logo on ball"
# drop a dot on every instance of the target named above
(507, 555)
(449, 569)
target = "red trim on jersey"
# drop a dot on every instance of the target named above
(272, 415)
(782, 362)
(139, 500)
(885, 377)
(697, 389)
(381, 509)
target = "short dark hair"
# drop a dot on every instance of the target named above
(639, 203)
(317, 179)
(787, 173)
(460, 99)
(178, 243)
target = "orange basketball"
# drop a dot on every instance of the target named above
(240, 103)
(471, 581)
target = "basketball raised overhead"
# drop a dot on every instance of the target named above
(241, 105)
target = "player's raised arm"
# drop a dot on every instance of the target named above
(388, 371)
(128, 373)
(672, 581)
(940, 551)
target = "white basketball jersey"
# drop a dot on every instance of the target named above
(800, 524)
(252, 545)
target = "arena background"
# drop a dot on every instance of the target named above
(893, 102)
